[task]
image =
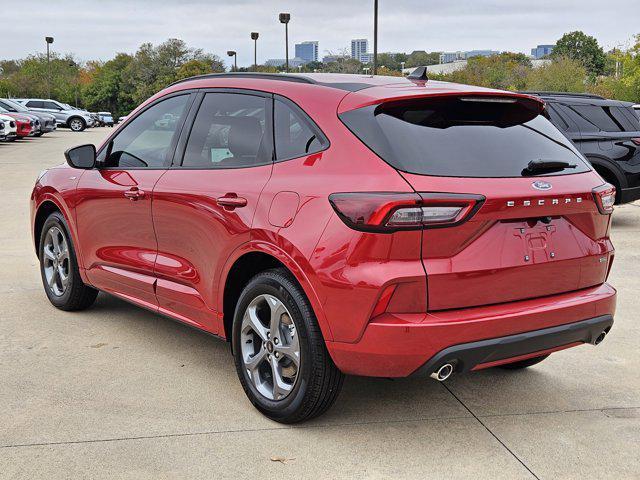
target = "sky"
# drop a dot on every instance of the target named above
(97, 29)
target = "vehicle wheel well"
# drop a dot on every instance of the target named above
(609, 177)
(245, 268)
(44, 210)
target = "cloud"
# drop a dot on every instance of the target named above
(97, 30)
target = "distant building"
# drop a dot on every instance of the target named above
(542, 51)
(307, 51)
(359, 47)
(448, 57)
(450, 67)
(366, 57)
(333, 58)
(281, 62)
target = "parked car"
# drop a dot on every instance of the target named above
(607, 132)
(637, 109)
(66, 116)
(8, 133)
(106, 118)
(337, 224)
(25, 126)
(46, 121)
(33, 121)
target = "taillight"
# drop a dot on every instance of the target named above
(389, 212)
(605, 197)
(636, 141)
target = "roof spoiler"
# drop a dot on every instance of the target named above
(419, 74)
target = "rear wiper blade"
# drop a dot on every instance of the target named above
(538, 166)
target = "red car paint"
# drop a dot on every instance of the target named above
(385, 302)
(24, 124)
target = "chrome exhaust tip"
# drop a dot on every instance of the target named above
(443, 372)
(600, 337)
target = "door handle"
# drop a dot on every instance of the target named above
(231, 201)
(134, 194)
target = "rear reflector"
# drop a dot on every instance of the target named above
(388, 212)
(605, 197)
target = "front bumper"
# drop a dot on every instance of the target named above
(398, 345)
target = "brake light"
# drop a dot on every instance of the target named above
(636, 141)
(605, 197)
(388, 212)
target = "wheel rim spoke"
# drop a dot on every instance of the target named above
(56, 261)
(270, 347)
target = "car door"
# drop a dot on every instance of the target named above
(203, 207)
(115, 227)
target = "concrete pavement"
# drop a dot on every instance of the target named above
(117, 392)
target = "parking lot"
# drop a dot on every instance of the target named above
(118, 392)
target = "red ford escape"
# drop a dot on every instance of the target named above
(337, 224)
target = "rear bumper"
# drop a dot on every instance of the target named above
(397, 345)
(629, 194)
(476, 355)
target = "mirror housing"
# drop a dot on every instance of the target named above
(82, 156)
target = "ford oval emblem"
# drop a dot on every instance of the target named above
(540, 185)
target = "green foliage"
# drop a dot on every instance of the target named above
(562, 74)
(584, 48)
(419, 58)
(507, 71)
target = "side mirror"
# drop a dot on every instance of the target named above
(83, 156)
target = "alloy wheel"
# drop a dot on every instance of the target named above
(270, 347)
(56, 261)
(76, 125)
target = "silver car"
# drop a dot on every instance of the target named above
(47, 122)
(66, 116)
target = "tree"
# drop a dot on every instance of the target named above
(584, 48)
(420, 58)
(107, 89)
(562, 74)
(507, 71)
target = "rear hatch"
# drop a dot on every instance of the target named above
(532, 229)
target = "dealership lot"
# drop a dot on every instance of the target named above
(117, 392)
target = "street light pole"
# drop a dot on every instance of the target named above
(375, 37)
(49, 41)
(254, 37)
(284, 18)
(233, 53)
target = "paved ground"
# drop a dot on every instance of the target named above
(116, 392)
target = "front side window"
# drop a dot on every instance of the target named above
(51, 105)
(295, 134)
(145, 142)
(229, 131)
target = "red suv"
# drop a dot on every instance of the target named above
(337, 224)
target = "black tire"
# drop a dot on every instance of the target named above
(318, 380)
(523, 363)
(77, 124)
(76, 295)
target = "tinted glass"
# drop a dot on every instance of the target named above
(556, 119)
(230, 131)
(601, 117)
(34, 104)
(295, 134)
(145, 141)
(51, 105)
(626, 117)
(451, 137)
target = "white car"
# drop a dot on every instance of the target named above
(66, 115)
(9, 131)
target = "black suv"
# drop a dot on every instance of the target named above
(607, 132)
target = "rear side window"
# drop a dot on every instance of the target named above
(462, 136)
(295, 134)
(230, 131)
(601, 117)
(34, 104)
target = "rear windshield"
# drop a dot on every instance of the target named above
(462, 136)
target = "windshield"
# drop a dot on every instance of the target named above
(462, 136)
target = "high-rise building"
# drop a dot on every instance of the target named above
(307, 51)
(542, 51)
(359, 47)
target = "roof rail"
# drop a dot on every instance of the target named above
(564, 94)
(263, 76)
